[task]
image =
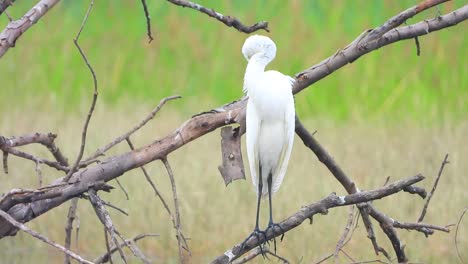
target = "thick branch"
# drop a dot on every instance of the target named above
(306, 212)
(16, 28)
(363, 45)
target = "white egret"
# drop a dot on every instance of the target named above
(269, 122)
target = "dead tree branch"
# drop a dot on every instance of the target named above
(4, 4)
(69, 226)
(106, 257)
(126, 135)
(180, 238)
(227, 20)
(322, 206)
(47, 140)
(15, 29)
(105, 219)
(423, 212)
(456, 234)
(44, 239)
(148, 20)
(364, 44)
(95, 94)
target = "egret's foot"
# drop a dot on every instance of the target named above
(273, 227)
(256, 233)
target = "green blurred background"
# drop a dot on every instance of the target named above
(390, 113)
(199, 58)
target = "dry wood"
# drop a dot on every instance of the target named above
(434, 187)
(95, 95)
(227, 20)
(69, 226)
(321, 206)
(106, 257)
(148, 20)
(15, 29)
(33, 233)
(233, 167)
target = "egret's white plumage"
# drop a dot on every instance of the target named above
(270, 115)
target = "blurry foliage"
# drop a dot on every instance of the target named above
(200, 59)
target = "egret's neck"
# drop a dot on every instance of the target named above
(256, 65)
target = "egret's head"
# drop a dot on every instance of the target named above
(257, 44)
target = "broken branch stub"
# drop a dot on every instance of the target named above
(233, 167)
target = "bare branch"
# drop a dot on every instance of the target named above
(143, 122)
(148, 20)
(322, 207)
(227, 20)
(7, 145)
(69, 226)
(107, 256)
(33, 233)
(45, 139)
(122, 188)
(401, 18)
(346, 231)
(180, 239)
(95, 94)
(456, 234)
(4, 4)
(5, 161)
(15, 29)
(105, 219)
(362, 45)
(423, 213)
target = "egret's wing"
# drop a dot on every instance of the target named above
(289, 126)
(253, 129)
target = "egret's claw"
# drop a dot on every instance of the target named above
(272, 226)
(256, 233)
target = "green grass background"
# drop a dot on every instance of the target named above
(200, 59)
(390, 113)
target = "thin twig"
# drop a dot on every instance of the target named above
(176, 207)
(33, 233)
(148, 21)
(8, 15)
(122, 188)
(5, 161)
(227, 20)
(423, 213)
(456, 235)
(163, 201)
(106, 256)
(69, 226)
(109, 252)
(105, 219)
(31, 157)
(349, 223)
(39, 173)
(126, 135)
(95, 94)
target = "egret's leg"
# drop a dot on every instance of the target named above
(271, 224)
(257, 231)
